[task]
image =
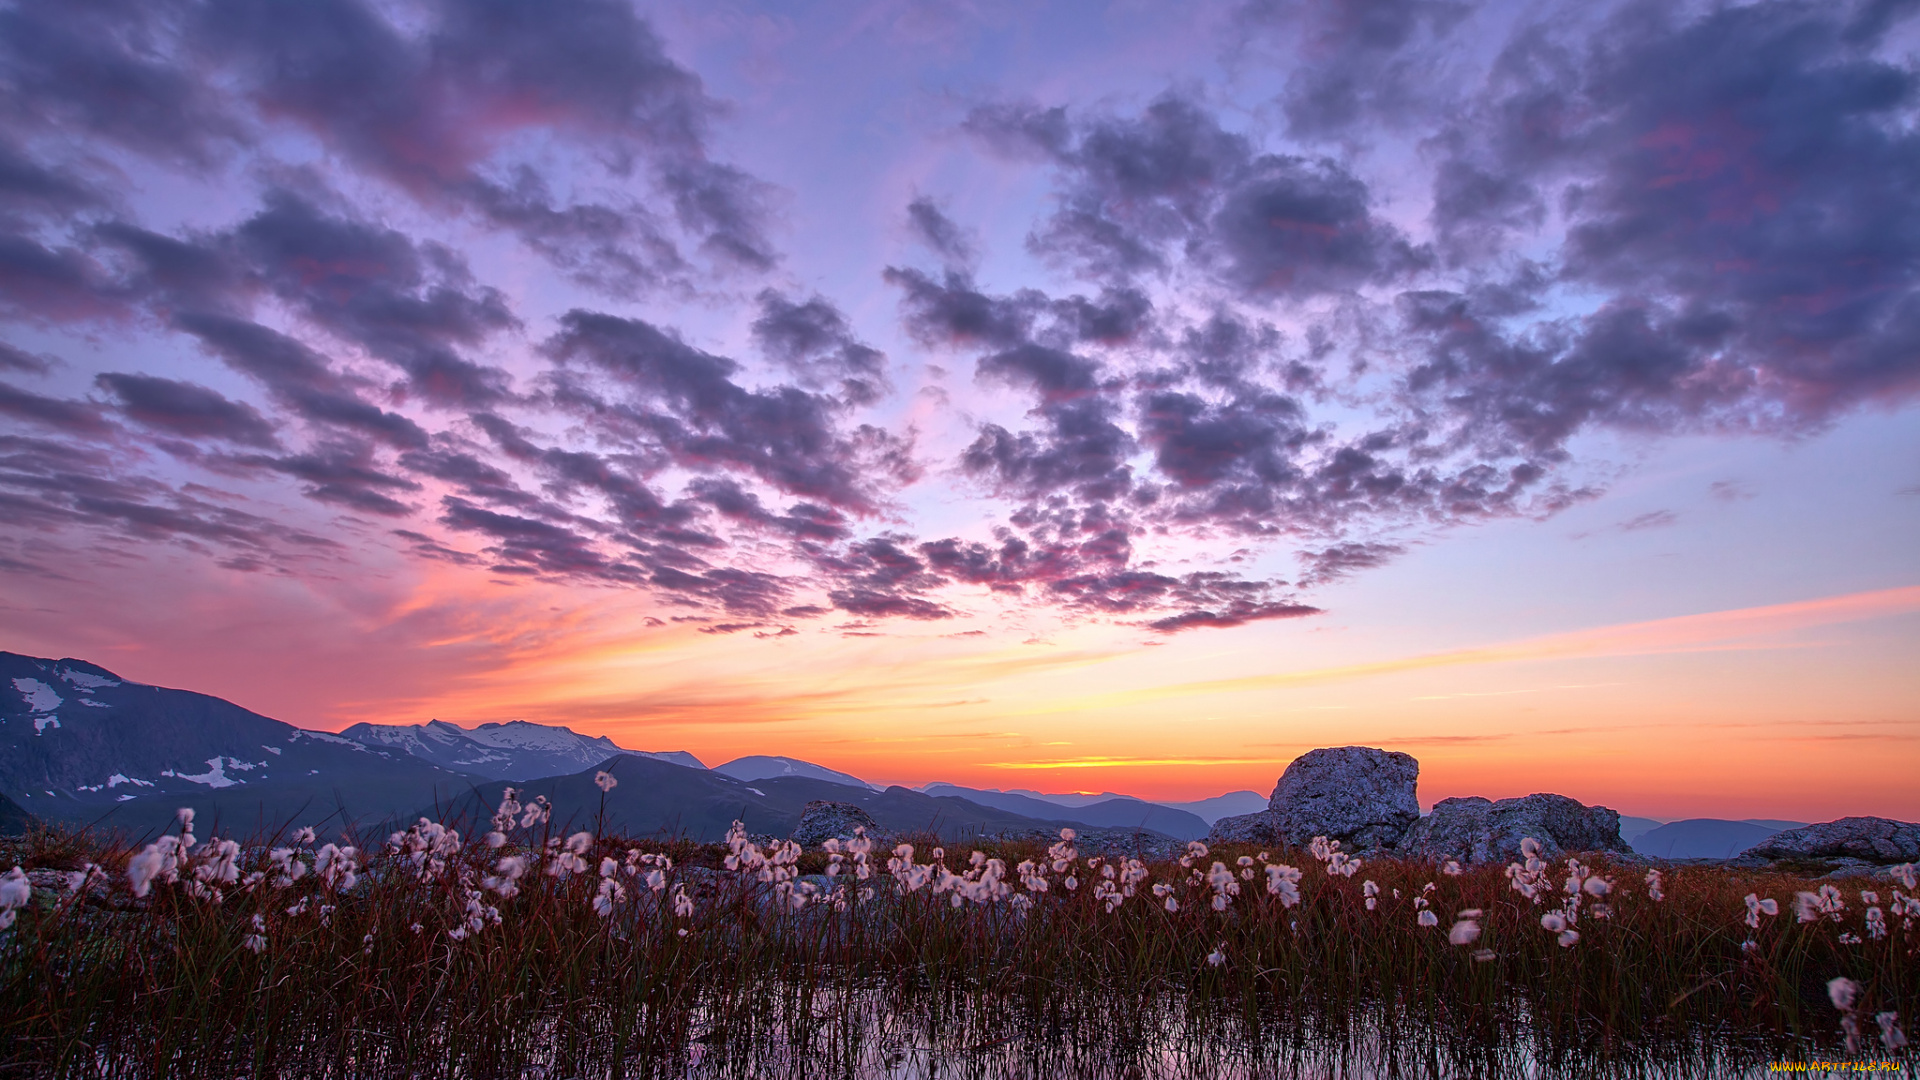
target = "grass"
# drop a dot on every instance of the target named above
(422, 970)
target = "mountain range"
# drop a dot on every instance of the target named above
(656, 798)
(515, 750)
(1118, 811)
(1707, 838)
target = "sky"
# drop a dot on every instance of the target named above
(1085, 396)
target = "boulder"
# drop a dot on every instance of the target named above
(1873, 839)
(1360, 796)
(822, 820)
(1477, 830)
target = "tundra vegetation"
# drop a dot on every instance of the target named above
(528, 950)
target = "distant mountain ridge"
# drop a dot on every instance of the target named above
(513, 750)
(1707, 838)
(1117, 811)
(656, 798)
(767, 767)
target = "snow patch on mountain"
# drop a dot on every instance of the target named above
(38, 695)
(216, 774)
(115, 781)
(321, 736)
(86, 680)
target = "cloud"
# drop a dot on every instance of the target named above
(412, 305)
(12, 359)
(1652, 519)
(1730, 190)
(442, 105)
(1354, 65)
(1739, 628)
(1338, 561)
(300, 379)
(187, 410)
(645, 383)
(1140, 195)
(50, 486)
(813, 341)
(344, 473)
(74, 417)
(926, 222)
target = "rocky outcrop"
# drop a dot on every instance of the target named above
(1107, 843)
(1873, 839)
(1360, 796)
(822, 820)
(1476, 830)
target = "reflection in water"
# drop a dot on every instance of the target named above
(861, 1035)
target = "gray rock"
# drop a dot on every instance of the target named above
(1257, 828)
(822, 820)
(1475, 830)
(1357, 795)
(1873, 839)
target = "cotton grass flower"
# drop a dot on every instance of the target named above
(15, 892)
(1845, 994)
(1283, 881)
(1757, 907)
(1876, 923)
(1427, 918)
(257, 941)
(1218, 956)
(1655, 883)
(1466, 928)
(1813, 906)
(1890, 1034)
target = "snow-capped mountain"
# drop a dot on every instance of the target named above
(763, 767)
(80, 743)
(515, 750)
